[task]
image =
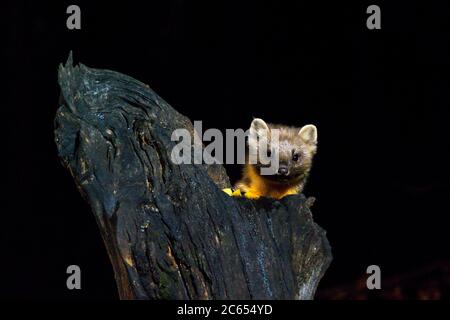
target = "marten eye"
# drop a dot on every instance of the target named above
(295, 156)
(269, 153)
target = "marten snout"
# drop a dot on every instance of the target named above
(283, 171)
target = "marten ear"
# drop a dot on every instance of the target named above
(308, 134)
(260, 128)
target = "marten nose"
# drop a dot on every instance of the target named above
(283, 171)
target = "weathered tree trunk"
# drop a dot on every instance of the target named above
(170, 231)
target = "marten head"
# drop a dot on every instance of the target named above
(296, 148)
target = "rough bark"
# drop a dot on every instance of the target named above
(170, 232)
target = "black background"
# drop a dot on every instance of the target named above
(380, 100)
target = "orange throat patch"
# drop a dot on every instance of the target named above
(260, 187)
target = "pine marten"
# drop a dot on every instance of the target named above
(296, 150)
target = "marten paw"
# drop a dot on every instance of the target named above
(239, 193)
(232, 193)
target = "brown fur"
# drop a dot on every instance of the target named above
(292, 140)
